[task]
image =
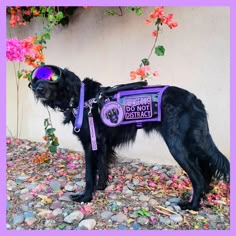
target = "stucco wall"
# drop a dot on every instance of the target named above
(107, 48)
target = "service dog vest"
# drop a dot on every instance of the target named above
(133, 106)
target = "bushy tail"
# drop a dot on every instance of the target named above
(219, 163)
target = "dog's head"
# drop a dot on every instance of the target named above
(54, 86)
(112, 115)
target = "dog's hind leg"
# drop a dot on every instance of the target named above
(181, 155)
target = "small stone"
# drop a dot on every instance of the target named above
(25, 190)
(136, 226)
(87, 224)
(131, 186)
(157, 167)
(18, 219)
(142, 220)
(50, 224)
(133, 215)
(55, 185)
(174, 200)
(44, 213)
(55, 205)
(65, 198)
(153, 202)
(170, 173)
(176, 218)
(57, 212)
(167, 203)
(11, 185)
(169, 182)
(22, 178)
(31, 186)
(165, 221)
(70, 187)
(106, 215)
(30, 221)
(122, 227)
(177, 208)
(213, 218)
(74, 216)
(26, 197)
(109, 188)
(144, 198)
(135, 181)
(119, 218)
(126, 190)
(81, 184)
(28, 214)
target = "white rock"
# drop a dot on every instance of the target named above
(87, 224)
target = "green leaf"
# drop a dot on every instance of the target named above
(139, 11)
(51, 18)
(19, 74)
(59, 15)
(50, 10)
(50, 131)
(131, 8)
(53, 148)
(47, 36)
(160, 50)
(145, 62)
(61, 226)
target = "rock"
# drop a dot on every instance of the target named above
(165, 221)
(142, 220)
(153, 202)
(119, 218)
(50, 224)
(174, 200)
(18, 219)
(55, 205)
(106, 215)
(157, 167)
(126, 190)
(28, 214)
(109, 188)
(170, 173)
(176, 218)
(44, 213)
(24, 190)
(74, 216)
(26, 197)
(169, 182)
(70, 187)
(135, 181)
(177, 208)
(144, 198)
(57, 212)
(133, 215)
(122, 227)
(87, 224)
(136, 226)
(213, 218)
(11, 185)
(30, 221)
(31, 186)
(131, 186)
(55, 185)
(22, 178)
(167, 203)
(65, 198)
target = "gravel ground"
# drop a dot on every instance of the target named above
(139, 195)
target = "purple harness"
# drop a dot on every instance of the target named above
(124, 107)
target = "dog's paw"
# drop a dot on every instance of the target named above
(188, 206)
(81, 197)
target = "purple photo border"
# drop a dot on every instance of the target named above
(3, 3)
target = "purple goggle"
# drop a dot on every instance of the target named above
(47, 73)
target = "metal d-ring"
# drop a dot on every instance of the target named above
(76, 130)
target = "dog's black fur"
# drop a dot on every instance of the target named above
(184, 128)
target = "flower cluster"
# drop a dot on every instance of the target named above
(160, 18)
(41, 158)
(142, 73)
(26, 50)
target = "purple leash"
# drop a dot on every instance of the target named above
(79, 119)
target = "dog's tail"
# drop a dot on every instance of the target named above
(218, 162)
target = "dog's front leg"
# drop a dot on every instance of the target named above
(90, 176)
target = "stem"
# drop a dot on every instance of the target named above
(154, 43)
(49, 117)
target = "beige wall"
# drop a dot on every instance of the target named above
(107, 48)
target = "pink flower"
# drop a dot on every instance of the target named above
(155, 73)
(145, 68)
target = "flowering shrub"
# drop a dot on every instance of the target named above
(159, 18)
(41, 158)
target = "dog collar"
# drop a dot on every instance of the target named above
(80, 110)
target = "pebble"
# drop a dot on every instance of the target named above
(165, 221)
(144, 198)
(176, 218)
(119, 218)
(30, 221)
(44, 213)
(106, 215)
(126, 190)
(174, 200)
(70, 187)
(65, 198)
(142, 220)
(153, 202)
(11, 185)
(135, 181)
(136, 226)
(55, 185)
(87, 224)
(18, 219)
(122, 227)
(74, 216)
(55, 205)
(57, 212)
(26, 196)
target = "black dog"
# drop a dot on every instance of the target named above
(184, 128)
(112, 115)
